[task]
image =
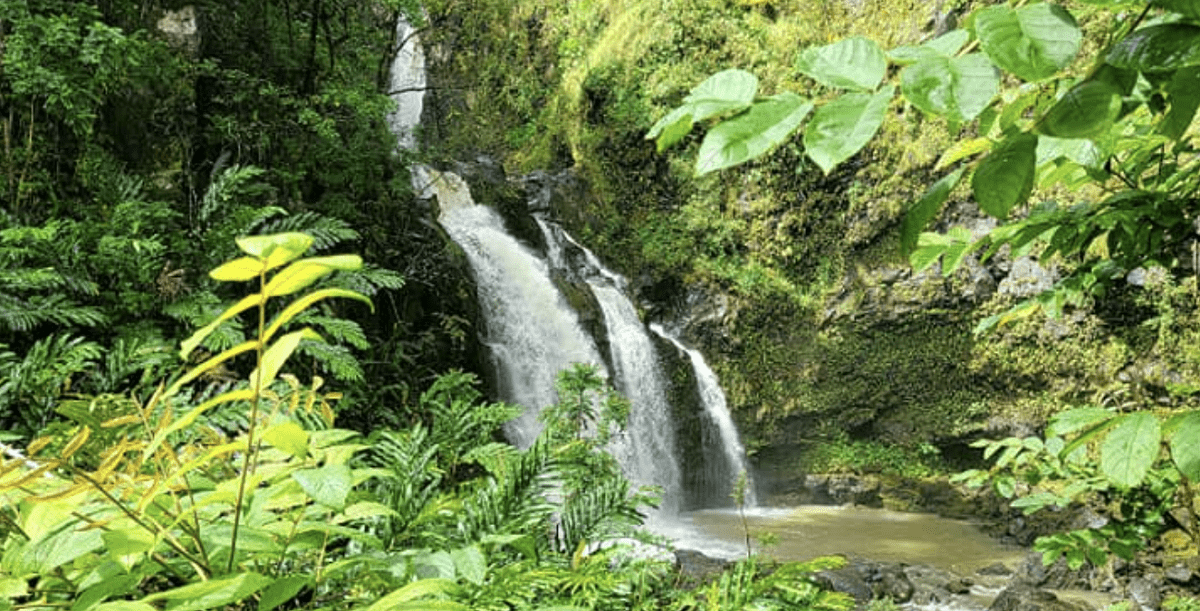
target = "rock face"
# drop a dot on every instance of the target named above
(180, 29)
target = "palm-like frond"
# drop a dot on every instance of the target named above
(517, 503)
(30, 385)
(18, 314)
(326, 231)
(598, 513)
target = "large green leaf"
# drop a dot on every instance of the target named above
(1032, 42)
(752, 133)
(238, 270)
(1005, 177)
(470, 564)
(957, 87)
(1183, 93)
(289, 437)
(725, 91)
(1185, 446)
(283, 590)
(1187, 8)
(925, 209)
(423, 591)
(1089, 109)
(1073, 420)
(1130, 449)
(945, 45)
(842, 127)
(328, 485)
(852, 63)
(1158, 48)
(212, 593)
(274, 357)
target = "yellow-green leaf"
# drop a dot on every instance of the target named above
(211, 594)
(245, 394)
(275, 249)
(961, 150)
(190, 343)
(304, 302)
(275, 356)
(238, 270)
(303, 273)
(289, 437)
(210, 364)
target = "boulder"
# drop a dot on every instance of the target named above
(1027, 598)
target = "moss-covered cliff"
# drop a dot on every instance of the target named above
(790, 280)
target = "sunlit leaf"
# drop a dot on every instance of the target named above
(303, 273)
(723, 92)
(958, 88)
(1005, 178)
(302, 303)
(237, 270)
(1130, 449)
(277, 354)
(328, 485)
(852, 63)
(212, 593)
(190, 344)
(289, 437)
(840, 128)
(470, 564)
(1032, 42)
(1074, 420)
(749, 135)
(275, 249)
(961, 150)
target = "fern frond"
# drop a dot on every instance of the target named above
(337, 360)
(25, 315)
(369, 280)
(228, 186)
(336, 329)
(197, 310)
(516, 504)
(493, 457)
(600, 512)
(30, 279)
(326, 231)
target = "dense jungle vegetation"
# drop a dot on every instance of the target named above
(207, 403)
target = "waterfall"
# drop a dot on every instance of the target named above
(717, 412)
(530, 329)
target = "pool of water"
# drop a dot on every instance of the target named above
(809, 531)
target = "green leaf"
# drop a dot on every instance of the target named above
(852, 63)
(725, 91)
(123, 605)
(1185, 446)
(1158, 48)
(958, 88)
(961, 150)
(283, 590)
(752, 133)
(126, 540)
(1183, 94)
(275, 249)
(1088, 110)
(304, 272)
(417, 590)
(470, 564)
(289, 437)
(1073, 420)
(328, 485)
(238, 270)
(925, 210)
(949, 43)
(1130, 449)
(273, 358)
(672, 128)
(1032, 42)
(1005, 177)
(840, 128)
(1187, 8)
(211, 594)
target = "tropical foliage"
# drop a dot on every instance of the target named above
(165, 504)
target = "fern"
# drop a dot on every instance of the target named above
(326, 231)
(515, 504)
(334, 359)
(414, 485)
(369, 280)
(600, 512)
(22, 315)
(30, 386)
(337, 329)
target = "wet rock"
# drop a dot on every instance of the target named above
(1058, 576)
(848, 580)
(930, 586)
(697, 566)
(1179, 573)
(996, 570)
(841, 489)
(1026, 598)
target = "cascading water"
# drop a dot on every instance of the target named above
(530, 329)
(717, 412)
